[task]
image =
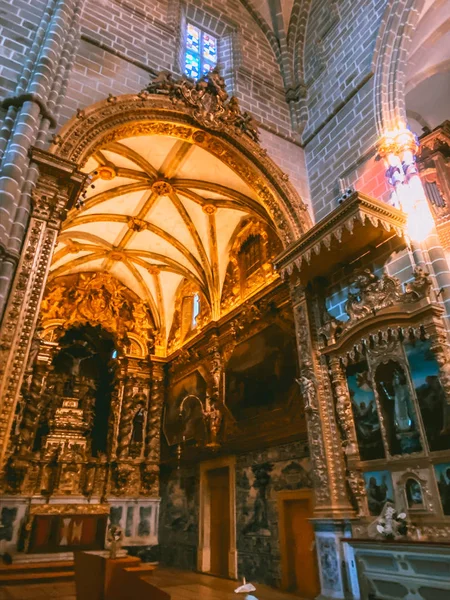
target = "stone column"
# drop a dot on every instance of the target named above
(399, 152)
(31, 111)
(58, 184)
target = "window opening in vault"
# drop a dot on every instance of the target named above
(195, 309)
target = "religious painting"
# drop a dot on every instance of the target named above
(260, 375)
(414, 495)
(183, 418)
(430, 394)
(443, 481)
(367, 423)
(396, 400)
(379, 490)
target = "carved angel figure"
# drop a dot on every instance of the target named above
(308, 389)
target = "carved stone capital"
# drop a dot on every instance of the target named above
(58, 185)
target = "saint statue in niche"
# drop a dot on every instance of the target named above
(414, 493)
(400, 397)
(137, 435)
(398, 408)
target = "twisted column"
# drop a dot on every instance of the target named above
(126, 419)
(149, 479)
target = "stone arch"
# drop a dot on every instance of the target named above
(389, 61)
(156, 114)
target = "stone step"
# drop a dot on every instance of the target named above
(142, 569)
(30, 577)
(37, 567)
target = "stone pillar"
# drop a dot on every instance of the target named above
(399, 152)
(58, 184)
(31, 111)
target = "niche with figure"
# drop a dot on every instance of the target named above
(414, 494)
(367, 422)
(83, 369)
(396, 401)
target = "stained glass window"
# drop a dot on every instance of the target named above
(195, 309)
(201, 52)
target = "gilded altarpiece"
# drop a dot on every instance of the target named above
(87, 424)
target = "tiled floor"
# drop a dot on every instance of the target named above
(181, 585)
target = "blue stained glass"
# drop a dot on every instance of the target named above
(192, 65)
(209, 48)
(193, 38)
(206, 68)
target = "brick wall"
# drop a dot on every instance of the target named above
(18, 22)
(290, 157)
(122, 43)
(340, 133)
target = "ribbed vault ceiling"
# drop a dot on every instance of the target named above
(159, 210)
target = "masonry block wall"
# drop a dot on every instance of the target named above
(18, 23)
(340, 134)
(123, 42)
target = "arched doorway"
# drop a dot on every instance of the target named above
(148, 252)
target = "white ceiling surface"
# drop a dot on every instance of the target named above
(428, 68)
(178, 233)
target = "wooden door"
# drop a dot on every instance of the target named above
(219, 489)
(302, 574)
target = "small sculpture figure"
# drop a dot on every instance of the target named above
(390, 524)
(115, 537)
(138, 426)
(308, 390)
(400, 397)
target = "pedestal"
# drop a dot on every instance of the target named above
(99, 577)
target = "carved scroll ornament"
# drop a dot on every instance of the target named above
(209, 100)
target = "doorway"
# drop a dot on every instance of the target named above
(300, 573)
(217, 543)
(219, 489)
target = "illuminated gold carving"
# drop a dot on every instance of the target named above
(162, 188)
(182, 327)
(239, 285)
(208, 99)
(106, 172)
(136, 224)
(70, 509)
(98, 299)
(209, 209)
